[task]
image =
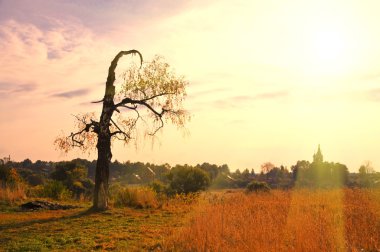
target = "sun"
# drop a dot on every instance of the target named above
(326, 50)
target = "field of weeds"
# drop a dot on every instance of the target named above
(294, 220)
(298, 220)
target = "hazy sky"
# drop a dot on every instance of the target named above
(269, 80)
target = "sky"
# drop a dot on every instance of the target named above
(268, 80)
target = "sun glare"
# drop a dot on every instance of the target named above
(327, 50)
(328, 46)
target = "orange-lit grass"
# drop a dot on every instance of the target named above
(362, 222)
(299, 220)
(12, 195)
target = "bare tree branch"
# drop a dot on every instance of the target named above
(158, 128)
(120, 131)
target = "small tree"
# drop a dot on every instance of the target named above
(150, 95)
(267, 167)
(184, 179)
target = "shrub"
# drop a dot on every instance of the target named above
(187, 180)
(12, 187)
(257, 186)
(9, 177)
(139, 197)
(82, 188)
(158, 187)
(55, 190)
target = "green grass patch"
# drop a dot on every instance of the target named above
(121, 229)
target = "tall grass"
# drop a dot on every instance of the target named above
(12, 195)
(299, 220)
(137, 197)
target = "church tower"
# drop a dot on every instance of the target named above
(318, 157)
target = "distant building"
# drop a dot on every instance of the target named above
(318, 157)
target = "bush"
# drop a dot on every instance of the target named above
(257, 186)
(158, 187)
(9, 177)
(82, 188)
(187, 180)
(55, 190)
(139, 197)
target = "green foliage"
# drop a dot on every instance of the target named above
(68, 171)
(367, 177)
(4, 173)
(32, 178)
(213, 170)
(9, 177)
(257, 186)
(184, 179)
(55, 190)
(320, 174)
(158, 187)
(222, 181)
(74, 177)
(278, 177)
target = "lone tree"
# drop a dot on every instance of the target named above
(150, 96)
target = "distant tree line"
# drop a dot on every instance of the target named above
(76, 177)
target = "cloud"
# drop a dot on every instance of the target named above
(272, 95)
(374, 94)
(243, 100)
(61, 56)
(103, 17)
(9, 88)
(72, 94)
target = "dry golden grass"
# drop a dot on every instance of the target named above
(12, 195)
(138, 197)
(298, 220)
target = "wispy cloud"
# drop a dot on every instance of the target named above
(8, 88)
(374, 94)
(72, 94)
(272, 95)
(243, 100)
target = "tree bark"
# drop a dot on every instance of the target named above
(102, 166)
(104, 152)
(100, 201)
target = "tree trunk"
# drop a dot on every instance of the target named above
(104, 157)
(102, 173)
(100, 201)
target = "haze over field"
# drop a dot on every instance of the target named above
(269, 80)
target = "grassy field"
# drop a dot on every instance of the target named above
(120, 229)
(299, 220)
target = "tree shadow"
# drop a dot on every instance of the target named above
(23, 224)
